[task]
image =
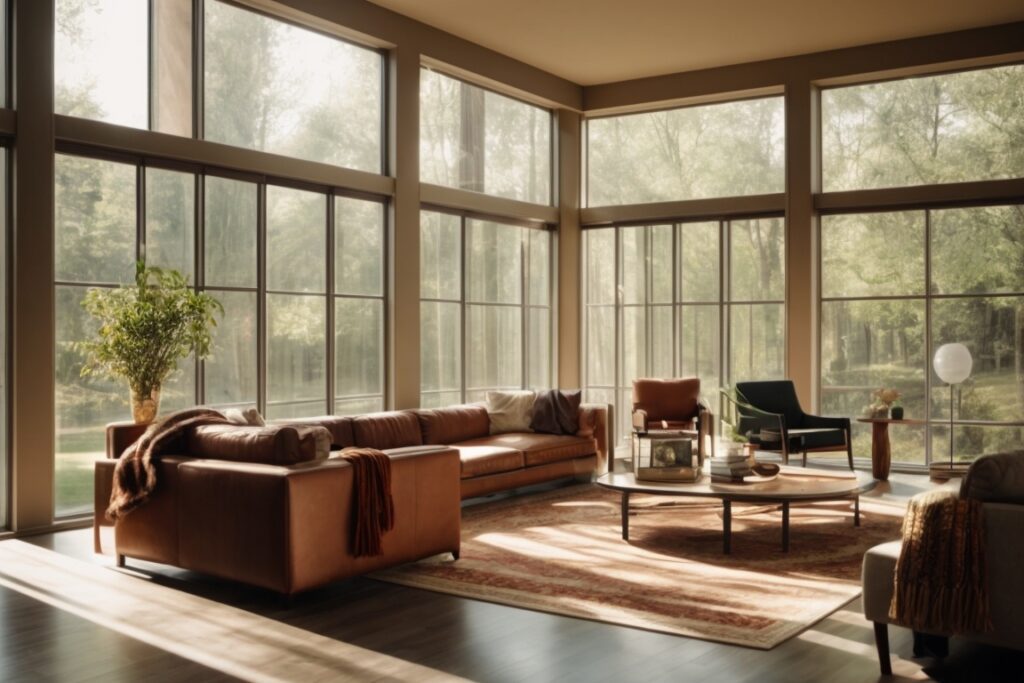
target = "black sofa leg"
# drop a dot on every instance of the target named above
(882, 643)
(120, 560)
(455, 554)
(929, 645)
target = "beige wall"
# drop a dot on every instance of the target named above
(410, 43)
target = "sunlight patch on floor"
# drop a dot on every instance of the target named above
(229, 640)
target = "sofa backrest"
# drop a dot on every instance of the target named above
(453, 424)
(393, 429)
(995, 478)
(340, 427)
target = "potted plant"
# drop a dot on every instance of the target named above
(145, 329)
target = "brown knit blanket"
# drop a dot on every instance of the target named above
(373, 509)
(135, 472)
(941, 583)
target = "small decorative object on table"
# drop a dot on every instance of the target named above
(667, 455)
(896, 412)
(883, 400)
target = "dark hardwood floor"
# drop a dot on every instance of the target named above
(472, 639)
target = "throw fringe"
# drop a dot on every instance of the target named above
(940, 582)
(373, 508)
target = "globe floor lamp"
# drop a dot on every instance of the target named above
(952, 364)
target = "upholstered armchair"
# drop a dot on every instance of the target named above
(672, 404)
(997, 481)
(769, 415)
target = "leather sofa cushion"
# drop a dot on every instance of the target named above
(667, 399)
(339, 426)
(481, 460)
(387, 430)
(995, 478)
(453, 424)
(270, 445)
(538, 449)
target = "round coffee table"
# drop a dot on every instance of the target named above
(792, 485)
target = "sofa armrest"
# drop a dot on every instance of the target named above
(597, 421)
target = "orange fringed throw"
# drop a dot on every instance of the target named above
(941, 583)
(135, 473)
(373, 509)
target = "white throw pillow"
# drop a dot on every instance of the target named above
(249, 416)
(510, 411)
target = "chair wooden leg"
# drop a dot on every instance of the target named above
(849, 451)
(882, 643)
(805, 459)
(120, 560)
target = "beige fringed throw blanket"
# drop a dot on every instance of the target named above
(135, 473)
(940, 581)
(373, 508)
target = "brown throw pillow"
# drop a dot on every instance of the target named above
(556, 412)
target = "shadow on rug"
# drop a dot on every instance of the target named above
(562, 552)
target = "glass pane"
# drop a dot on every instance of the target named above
(358, 347)
(478, 140)
(756, 342)
(970, 441)
(633, 255)
(3, 330)
(231, 369)
(599, 247)
(992, 329)
(870, 344)
(95, 220)
(440, 256)
(874, 254)
(600, 350)
(440, 347)
(634, 345)
(101, 60)
(539, 277)
(538, 348)
(358, 247)
(699, 262)
(757, 260)
(276, 87)
(172, 67)
(700, 348)
(359, 406)
(662, 341)
(231, 225)
(978, 250)
(922, 131)
(296, 240)
(440, 399)
(494, 352)
(661, 264)
(83, 406)
(494, 262)
(716, 150)
(296, 356)
(179, 390)
(170, 220)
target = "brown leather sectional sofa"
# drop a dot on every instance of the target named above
(287, 528)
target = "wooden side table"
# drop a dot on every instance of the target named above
(881, 451)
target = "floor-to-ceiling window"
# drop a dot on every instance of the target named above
(689, 296)
(299, 267)
(485, 308)
(702, 299)
(897, 284)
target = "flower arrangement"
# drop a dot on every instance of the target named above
(883, 400)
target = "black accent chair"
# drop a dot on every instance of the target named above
(769, 415)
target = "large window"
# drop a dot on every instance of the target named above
(276, 87)
(895, 287)
(919, 131)
(485, 309)
(4, 462)
(283, 310)
(716, 150)
(698, 299)
(475, 139)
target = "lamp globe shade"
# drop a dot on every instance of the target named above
(953, 363)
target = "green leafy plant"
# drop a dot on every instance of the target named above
(147, 327)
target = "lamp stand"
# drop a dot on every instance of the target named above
(945, 471)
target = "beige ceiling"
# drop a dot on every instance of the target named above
(600, 41)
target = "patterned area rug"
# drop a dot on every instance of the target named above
(562, 552)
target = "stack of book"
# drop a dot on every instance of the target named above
(729, 468)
